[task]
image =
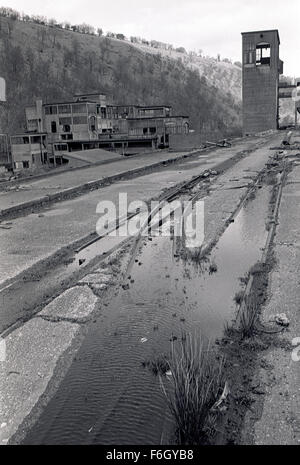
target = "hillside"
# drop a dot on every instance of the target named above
(222, 74)
(53, 63)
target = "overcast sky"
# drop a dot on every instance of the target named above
(211, 25)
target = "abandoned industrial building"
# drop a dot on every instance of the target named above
(88, 122)
(261, 86)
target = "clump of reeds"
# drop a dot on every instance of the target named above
(158, 365)
(258, 267)
(248, 317)
(238, 298)
(196, 376)
(213, 268)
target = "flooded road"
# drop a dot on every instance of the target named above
(108, 396)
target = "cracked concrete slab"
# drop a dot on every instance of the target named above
(97, 278)
(76, 303)
(32, 353)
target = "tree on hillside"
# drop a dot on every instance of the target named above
(9, 13)
(180, 49)
(86, 29)
(99, 31)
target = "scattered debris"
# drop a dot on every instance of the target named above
(287, 139)
(281, 319)
(220, 143)
(218, 405)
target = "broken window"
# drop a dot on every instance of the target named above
(20, 140)
(66, 128)
(65, 120)
(263, 54)
(53, 126)
(36, 140)
(51, 110)
(67, 136)
(92, 123)
(64, 108)
(79, 108)
(103, 113)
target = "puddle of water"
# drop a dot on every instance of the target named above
(107, 397)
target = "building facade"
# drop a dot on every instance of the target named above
(29, 150)
(261, 70)
(89, 122)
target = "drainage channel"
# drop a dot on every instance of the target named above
(107, 395)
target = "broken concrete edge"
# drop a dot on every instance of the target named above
(77, 279)
(61, 254)
(74, 305)
(46, 374)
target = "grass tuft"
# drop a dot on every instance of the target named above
(249, 316)
(238, 298)
(213, 268)
(158, 365)
(196, 385)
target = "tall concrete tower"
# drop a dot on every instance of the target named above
(261, 70)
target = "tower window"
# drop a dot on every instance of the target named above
(263, 54)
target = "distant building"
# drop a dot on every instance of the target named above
(29, 151)
(88, 122)
(261, 70)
